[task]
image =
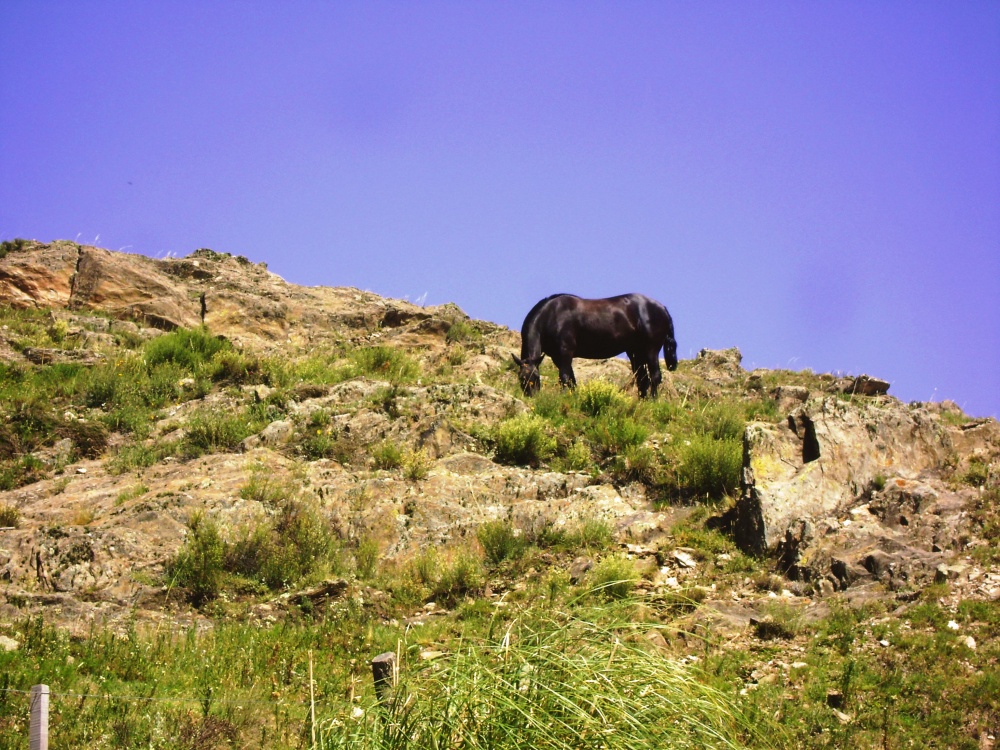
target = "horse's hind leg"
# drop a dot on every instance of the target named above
(652, 367)
(641, 374)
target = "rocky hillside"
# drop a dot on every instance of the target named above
(402, 429)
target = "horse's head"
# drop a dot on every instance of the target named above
(670, 354)
(528, 375)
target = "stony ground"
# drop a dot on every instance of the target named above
(846, 496)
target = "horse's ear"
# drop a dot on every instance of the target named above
(516, 360)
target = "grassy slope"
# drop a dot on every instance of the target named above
(549, 663)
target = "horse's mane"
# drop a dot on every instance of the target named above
(533, 312)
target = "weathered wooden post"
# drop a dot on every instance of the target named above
(38, 726)
(384, 673)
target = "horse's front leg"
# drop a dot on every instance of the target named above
(566, 377)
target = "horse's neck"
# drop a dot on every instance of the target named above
(531, 342)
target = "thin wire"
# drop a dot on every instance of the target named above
(180, 699)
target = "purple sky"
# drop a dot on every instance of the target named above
(817, 183)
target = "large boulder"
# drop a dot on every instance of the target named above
(850, 486)
(39, 275)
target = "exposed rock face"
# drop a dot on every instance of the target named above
(849, 489)
(40, 276)
(237, 299)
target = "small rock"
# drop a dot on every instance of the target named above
(578, 568)
(8, 644)
(842, 717)
(944, 573)
(430, 655)
(970, 643)
(656, 638)
(952, 625)
(884, 643)
(81, 470)
(825, 588)
(684, 559)
(278, 433)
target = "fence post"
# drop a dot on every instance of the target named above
(38, 727)
(383, 672)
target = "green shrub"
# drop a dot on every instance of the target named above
(615, 433)
(596, 397)
(13, 246)
(366, 557)
(131, 493)
(723, 420)
(557, 685)
(416, 464)
(199, 566)
(132, 456)
(89, 438)
(263, 487)
(613, 577)
(460, 575)
(522, 440)
(977, 474)
(461, 332)
(501, 541)
(387, 400)
(387, 455)
(591, 533)
(10, 516)
(709, 467)
(281, 551)
(209, 430)
(20, 472)
(386, 362)
(638, 464)
(188, 347)
(425, 566)
(578, 457)
(231, 366)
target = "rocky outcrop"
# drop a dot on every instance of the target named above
(39, 275)
(234, 297)
(849, 489)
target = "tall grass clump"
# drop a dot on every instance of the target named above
(199, 566)
(386, 362)
(597, 397)
(275, 551)
(278, 552)
(615, 433)
(613, 577)
(523, 440)
(554, 685)
(500, 541)
(188, 347)
(10, 516)
(709, 467)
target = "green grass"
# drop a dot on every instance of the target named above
(707, 467)
(523, 440)
(292, 544)
(10, 515)
(500, 541)
(554, 684)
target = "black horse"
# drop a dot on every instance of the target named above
(566, 326)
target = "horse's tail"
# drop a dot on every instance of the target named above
(669, 342)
